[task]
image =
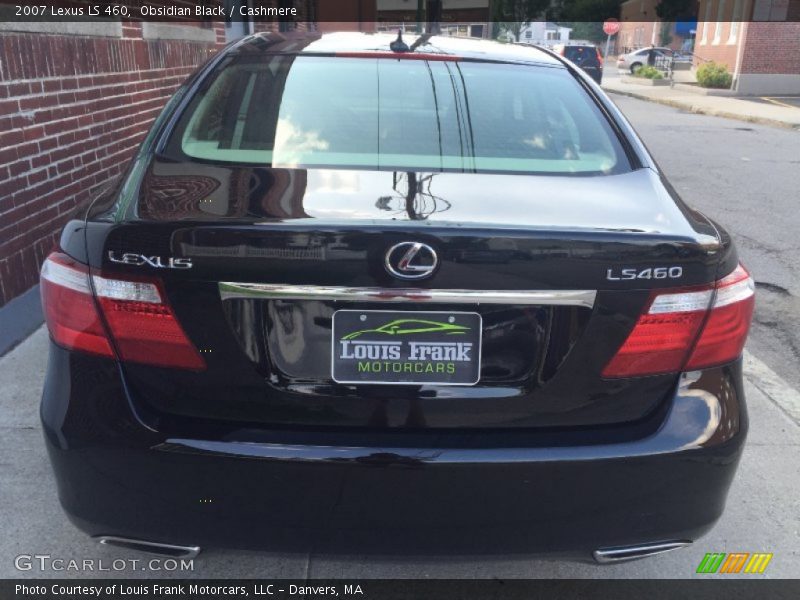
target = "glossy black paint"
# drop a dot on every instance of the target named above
(562, 492)
(491, 232)
(543, 455)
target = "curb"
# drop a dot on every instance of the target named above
(704, 111)
(772, 386)
(20, 318)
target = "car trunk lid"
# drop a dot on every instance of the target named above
(277, 253)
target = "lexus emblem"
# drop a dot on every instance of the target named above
(411, 260)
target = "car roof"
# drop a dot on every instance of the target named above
(364, 43)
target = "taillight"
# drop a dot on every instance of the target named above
(725, 331)
(688, 329)
(69, 308)
(141, 322)
(599, 57)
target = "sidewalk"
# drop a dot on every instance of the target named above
(740, 108)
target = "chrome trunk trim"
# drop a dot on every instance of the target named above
(231, 290)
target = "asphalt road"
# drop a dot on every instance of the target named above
(745, 175)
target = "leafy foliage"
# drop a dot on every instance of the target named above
(515, 14)
(584, 10)
(714, 75)
(584, 17)
(648, 72)
(677, 10)
(585, 30)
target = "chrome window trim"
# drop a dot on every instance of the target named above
(233, 290)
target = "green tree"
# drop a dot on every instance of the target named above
(584, 17)
(516, 14)
(677, 10)
(595, 11)
(585, 30)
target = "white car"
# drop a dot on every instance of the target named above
(632, 61)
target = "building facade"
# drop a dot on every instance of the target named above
(543, 33)
(76, 99)
(758, 41)
(641, 27)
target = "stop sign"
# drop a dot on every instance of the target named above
(611, 26)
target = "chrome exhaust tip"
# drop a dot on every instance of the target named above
(625, 553)
(170, 550)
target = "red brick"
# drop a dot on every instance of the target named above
(81, 132)
(18, 167)
(9, 106)
(33, 133)
(7, 155)
(19, 89)
(11, 138)
(37, 176)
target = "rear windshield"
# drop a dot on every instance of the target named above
(378, 113)
(584, 56)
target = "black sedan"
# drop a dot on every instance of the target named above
(419, 297)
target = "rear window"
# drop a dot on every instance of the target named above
(583, 56)
(333, 112)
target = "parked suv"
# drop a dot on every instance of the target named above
(585, 56)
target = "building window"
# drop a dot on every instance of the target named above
(528, 34)
(718, 26)
(706, 22)
(737, 17)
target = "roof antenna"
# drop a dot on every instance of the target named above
(399, 45)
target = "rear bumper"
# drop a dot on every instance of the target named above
(118, 477)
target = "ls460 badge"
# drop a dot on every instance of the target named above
(649, 273)
(140, 260)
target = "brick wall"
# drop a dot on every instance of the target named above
(72, 110)
(772, 48)
(723, 52)
(769, 47)
(717, 36)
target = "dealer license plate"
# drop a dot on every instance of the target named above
(406, 348)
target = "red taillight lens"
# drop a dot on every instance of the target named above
(69, 308)
(725, 332)
(679, 323)
(141, 322)
(599, 57)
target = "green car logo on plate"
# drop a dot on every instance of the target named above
(406, 326)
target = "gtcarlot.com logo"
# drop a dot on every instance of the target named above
(734, 562)
(47, 562)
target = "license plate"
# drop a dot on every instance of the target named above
(406, 348)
